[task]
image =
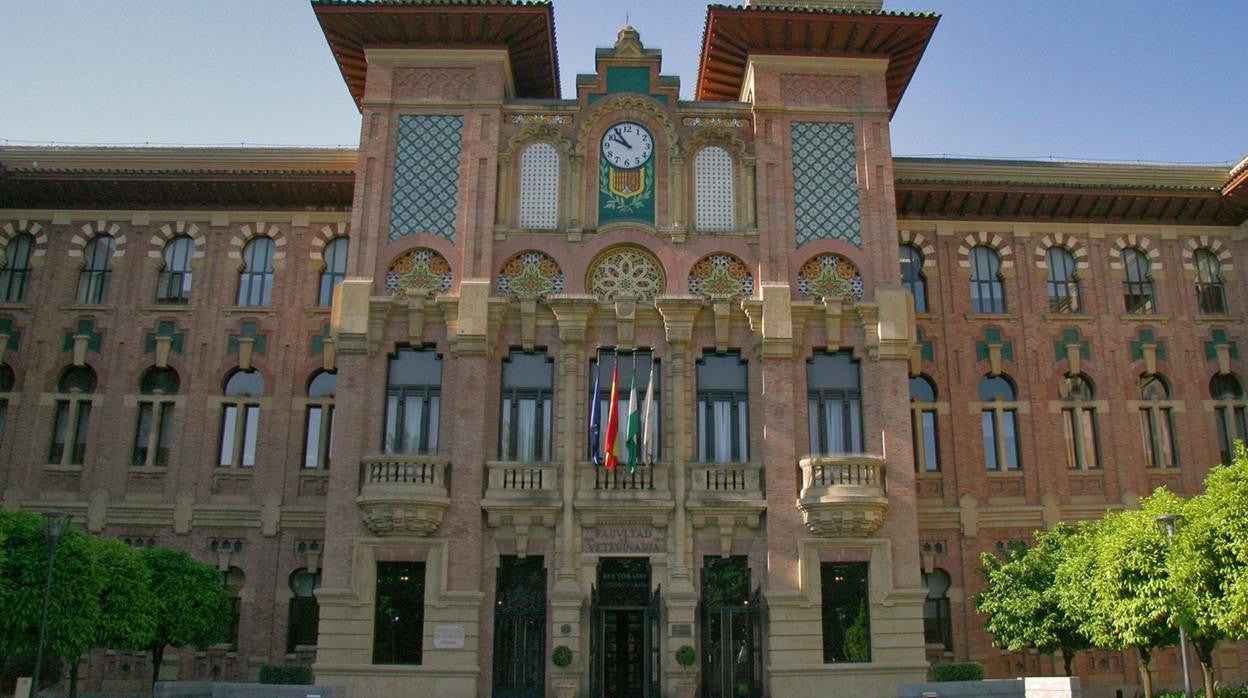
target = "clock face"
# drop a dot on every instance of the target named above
(627, 145)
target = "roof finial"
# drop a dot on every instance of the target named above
(628, 42)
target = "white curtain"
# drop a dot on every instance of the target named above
(722, 414)
(526, 422)
(413, 411)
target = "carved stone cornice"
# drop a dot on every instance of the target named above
(572, 312)
(679, 314)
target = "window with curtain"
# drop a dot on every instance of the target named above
(255, 281)
(174, 284)
(1210, 289)
(240, 419)
(923, 425)
(1083, 450)
(304, 611)
(72, 417)
(987, 288)
(335, 256)
(1138, 291)
(539, 187)
(97, 270)
(834, 403)
(723, 402)
(15, 268)
(713, 185)
(153, 436)
(634, 366)
(937, 621)
(999, 420)
(1229, 408)
(318, 427)
(1157, 422)
(912, 276)
(413, 401)
(1063, 282)
(526, 421)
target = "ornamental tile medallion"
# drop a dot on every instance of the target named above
(830, 276)
(721, 277)
(530, 274)
(626, 273)
(418, 273)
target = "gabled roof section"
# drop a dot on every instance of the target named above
(733, 33)
(526, 28)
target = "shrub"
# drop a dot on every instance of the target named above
(958, 671)
(685, 656)
(562, 656)
(288, 674)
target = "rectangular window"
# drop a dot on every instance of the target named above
(302, 622)
(846, 612)
(318, 435)
(240, 428)
(399, 613)
(1082, 448)
(413, 402)
(723, 409)
(1001, 445)
(526, 421)
(1157, 428)
(143, 434)
(229, 425)
(1232, 425)
(834, 404)
(926, 446)
(152, 434)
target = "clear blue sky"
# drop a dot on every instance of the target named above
(1151, 80)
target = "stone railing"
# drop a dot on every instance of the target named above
(725, 481)
(403, 494)
(843, 495)
(510, 479)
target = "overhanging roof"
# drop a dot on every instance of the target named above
(526, 29)
(732, 34)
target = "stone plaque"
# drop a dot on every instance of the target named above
(626, 540)
(448, 637)
(681, 630)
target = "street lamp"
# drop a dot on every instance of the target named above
(55, 523)
(1169, 521)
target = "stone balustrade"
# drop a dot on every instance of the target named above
(843, 495)
(403, 494)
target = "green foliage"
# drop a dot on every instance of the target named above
(685, 656)
(191, 606)
(286, 674)
(127, 606)
(561, 657)
(1021, 600)
(958, 671)
(858, 636)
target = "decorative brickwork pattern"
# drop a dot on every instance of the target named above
(530, 274)
(920, 241)
(713, 186)
(721, 277)
(78, 243)
(1139, 242)
(825, 183)
(323, 236)
(420, 272)
(168, 231)
(426, 176)
(1214, 245)
(822, 90)
(435, 84)
(1071, 243)
(13, 228)
(996, 242)
(249, 231)
(830, 276)
(627, 273)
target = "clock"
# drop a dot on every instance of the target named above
(627, 145)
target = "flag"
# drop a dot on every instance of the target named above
(595, 419)
(613, 422)
(647, 423)
(634, 423)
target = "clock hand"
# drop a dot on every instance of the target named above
(620, 139)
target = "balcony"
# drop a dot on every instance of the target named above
(727, 497)
(618, 497)
(403, 494)
(521, 497)
(843, 495)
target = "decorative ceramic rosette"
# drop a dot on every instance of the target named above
(530, 274)
(721, 277)
(830, 276)
(626, 272)
(419, 272)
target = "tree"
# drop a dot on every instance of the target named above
(1021, 603)
(191, 608)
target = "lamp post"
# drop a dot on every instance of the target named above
(1169, 521)
(55, 523)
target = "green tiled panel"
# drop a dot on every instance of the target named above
(426, 176)
(825, 183)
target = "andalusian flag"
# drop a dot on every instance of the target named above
(595, 422)
(613, 421)
(634, 424)
(647, 421)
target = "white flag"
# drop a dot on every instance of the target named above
(647, 428)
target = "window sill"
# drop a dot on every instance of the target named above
(88, 307)
(991, 317)
(234, 470)
(1069, 317)
(1216, 318)
(15, 306)
(58, 468)
(312, 310)
(311, 472)
(166, 308)
(1005, 473)
(249, 310)
(1144, 317)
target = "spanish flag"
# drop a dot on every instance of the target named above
(613, 421)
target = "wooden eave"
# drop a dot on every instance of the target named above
(732, 34)
(525, 30)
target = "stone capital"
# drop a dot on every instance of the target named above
(572, 312)
(679, 314)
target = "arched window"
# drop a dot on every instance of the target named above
(723, 401)
(73, 416)
(1229, 407)
(335, 256)
(413, 401)
(1210, 289)
(526, 421)
(240, 419)
(937, 623)
(97, 270)
(305, 612)
(153, 436)
(987, 290)
(712, 190)
(912, 276)
(15, 269)
(1083, 450)
(255, 281)
(1063, 282)
(318, 430)
(1157, 422)
(539, 187)
(234, 579)
(923, 424)
(1138, 292)
(999, 418)
(174, 284)
(834, 403)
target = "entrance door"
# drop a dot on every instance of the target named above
(731, 630)
(520, 628)
(624, 627)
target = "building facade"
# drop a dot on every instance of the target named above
(852, 373)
